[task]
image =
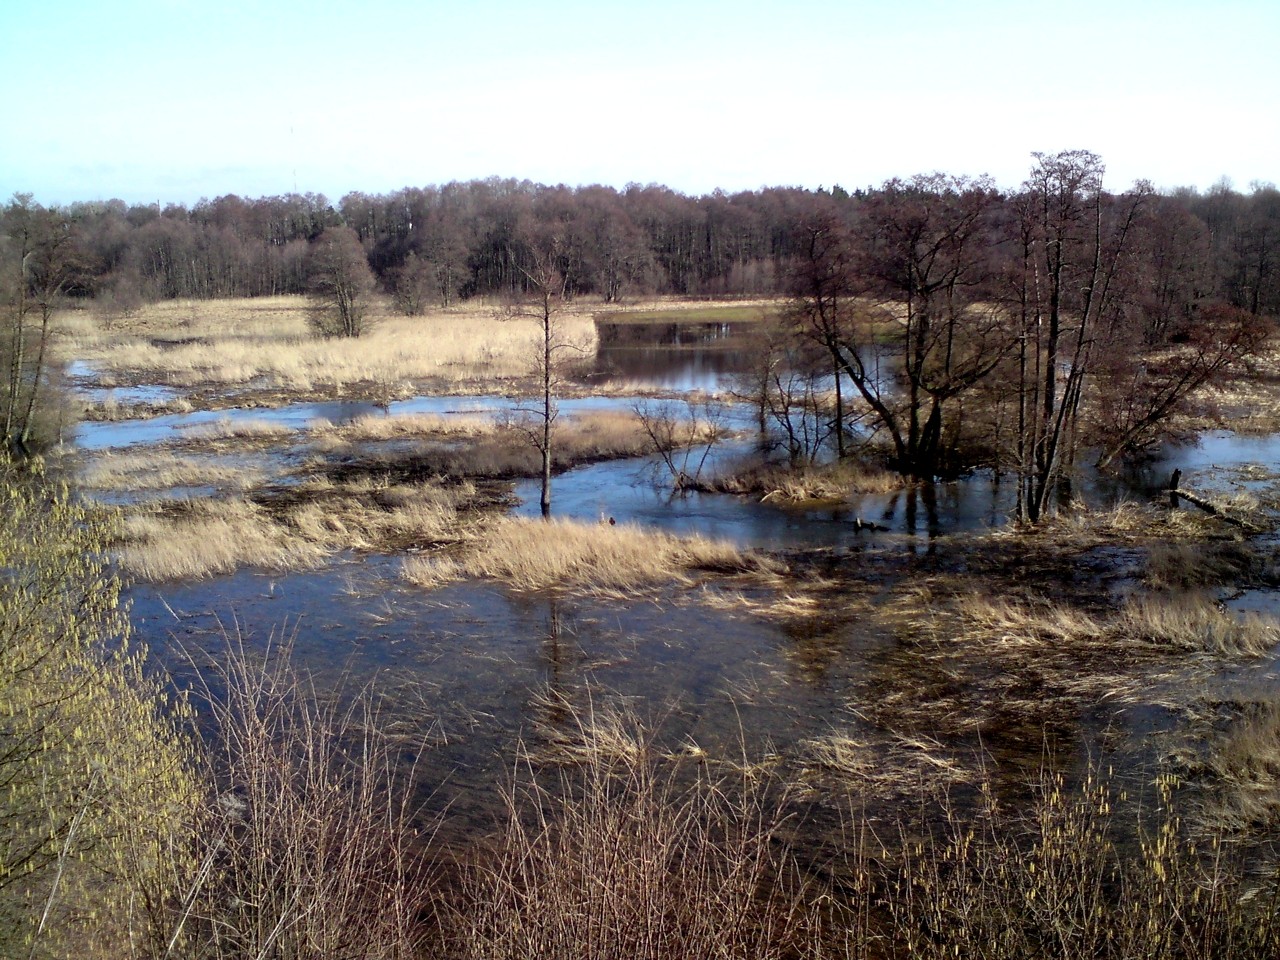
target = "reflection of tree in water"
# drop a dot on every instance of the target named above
(553, 653)
(554, 623)
(914, 499)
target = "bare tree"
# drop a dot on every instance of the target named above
(683, 434)
(341, 282)
(1078, 244)
(901, 307)
(414, 286)
(546, 281)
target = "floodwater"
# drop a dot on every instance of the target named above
(477, 668)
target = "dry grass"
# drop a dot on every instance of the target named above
(1196, 624)
(601, 434)
(225, 428)
(374, 428)
(1126, 522)
(211, 537)
(1249, 404)
(834, 483)
(232, 343)
(596, 735)
(570, 555)
(202, 538)
(162, 470)
(501, 449)
(1192, 623)
(1195, 565)
(425, 515)
(1239, 766)
(906, 765)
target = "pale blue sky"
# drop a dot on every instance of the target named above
(172, 100)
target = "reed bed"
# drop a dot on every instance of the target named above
(186, 345)
(566, 554)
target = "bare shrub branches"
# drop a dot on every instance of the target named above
(308, 840)
(623, 858)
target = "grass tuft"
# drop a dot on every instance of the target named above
(568, 554)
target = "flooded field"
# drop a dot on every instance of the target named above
(837, 673)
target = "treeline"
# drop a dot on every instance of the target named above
(462, 240)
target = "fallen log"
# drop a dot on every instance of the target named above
(1176, 493)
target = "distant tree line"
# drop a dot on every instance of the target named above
(1018, 325)
(433, 245)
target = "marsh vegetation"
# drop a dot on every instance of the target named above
(862, 625)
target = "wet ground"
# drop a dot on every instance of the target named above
(474, 667)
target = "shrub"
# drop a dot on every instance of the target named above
(96, 785)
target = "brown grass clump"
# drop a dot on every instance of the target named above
(1239, 766)
(834, 483)
(1197, 624)
(601, 434)
(211, 537)
(1124, 522)
(241, 430)
(394, 517)
(373, 428)
(906, 765)
(1192, 623)
(204, 538)
(162, 470)
(1195, 565)
(567, 554)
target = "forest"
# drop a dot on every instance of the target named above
(462, 240)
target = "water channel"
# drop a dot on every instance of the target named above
(477, 665)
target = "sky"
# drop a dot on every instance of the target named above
(173, 100)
